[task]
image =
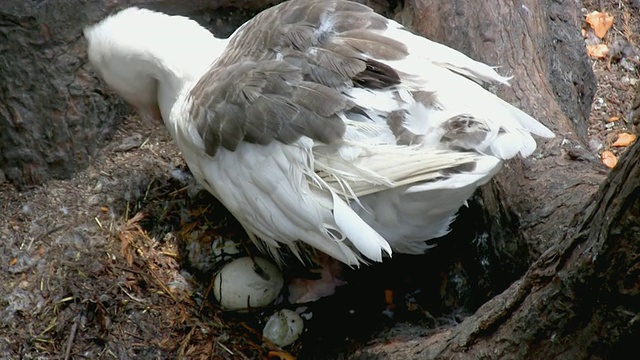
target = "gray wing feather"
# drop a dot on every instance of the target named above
(284, 81)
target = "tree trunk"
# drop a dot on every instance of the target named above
(54, 115)
(634, 112)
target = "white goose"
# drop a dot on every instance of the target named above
(319, 122)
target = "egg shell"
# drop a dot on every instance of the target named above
(237, 286)
(283, 328)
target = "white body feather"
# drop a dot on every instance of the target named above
(355, 200)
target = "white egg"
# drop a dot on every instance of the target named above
(247, 283)
(284, 327)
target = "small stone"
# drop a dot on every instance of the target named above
(598, 103)
(26, 209)
(625, 80)
(132, 142)
(627, 65)
(595, 145)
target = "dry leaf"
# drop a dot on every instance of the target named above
(598, 51)
(609, 159)
(13, 261)
(600, 22)
(388, 298)
(279, 354)
(625, 139)
(613, 118)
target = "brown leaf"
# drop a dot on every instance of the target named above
(13, 261)
(125, 246)
(281, 355)
(613, 118)
(600, 22)
(625, 139)
(388, 298)
(609, 159)
(598, 51)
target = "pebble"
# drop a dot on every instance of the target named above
(627, 65)
(598, 103)
(595, 145)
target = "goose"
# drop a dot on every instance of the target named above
(320, 125)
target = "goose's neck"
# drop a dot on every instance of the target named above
(176, 67)
(148, 58)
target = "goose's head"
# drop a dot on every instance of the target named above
(148, 57)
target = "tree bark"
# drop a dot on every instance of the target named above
(54, 115)
(634, 112)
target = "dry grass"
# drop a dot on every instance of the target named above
(82, 277)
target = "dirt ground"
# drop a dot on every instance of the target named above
(115, 263)
(617, 75)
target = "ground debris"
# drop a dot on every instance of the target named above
(86, 278)
(618, 75)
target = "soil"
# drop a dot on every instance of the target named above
(116, 262)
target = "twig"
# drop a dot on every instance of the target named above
(206, 294)
(130, 270)
(142, 301)
(161, 284)
(225, 348)
(134, 335)
(42, 237)
(175, 192)
(72, 336)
